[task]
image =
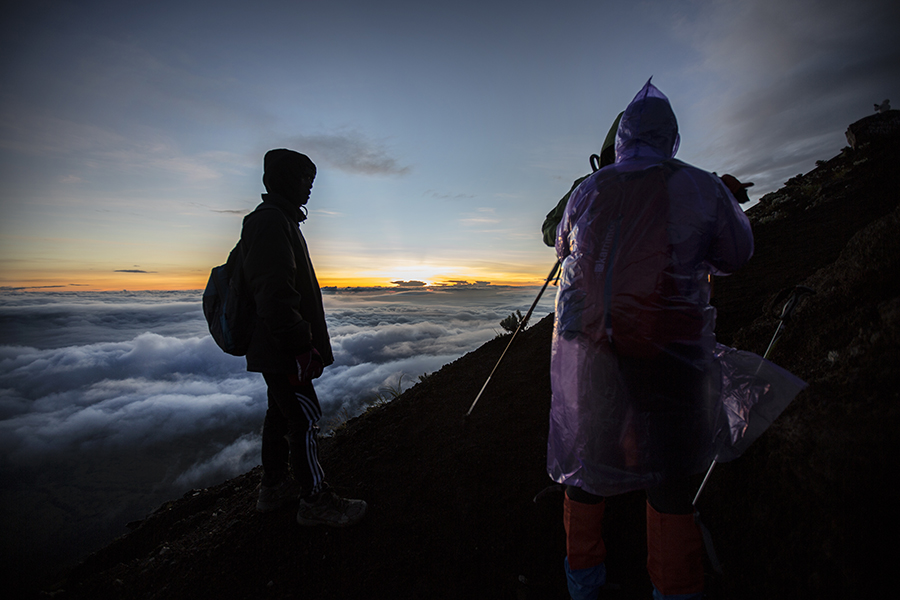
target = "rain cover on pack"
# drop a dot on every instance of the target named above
(638, 383)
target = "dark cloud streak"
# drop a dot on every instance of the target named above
(794, 74)
(350, 152)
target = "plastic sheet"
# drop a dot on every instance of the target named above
(640, 392)
(754, 393)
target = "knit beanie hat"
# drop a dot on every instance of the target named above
(285, 172)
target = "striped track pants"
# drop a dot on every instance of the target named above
(290, 433)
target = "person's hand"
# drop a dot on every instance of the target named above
(309, 365)
(737, 189)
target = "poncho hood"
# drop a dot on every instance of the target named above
(648, 127)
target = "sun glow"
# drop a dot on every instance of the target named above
(428, 276)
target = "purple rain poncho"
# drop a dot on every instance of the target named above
(641, 391)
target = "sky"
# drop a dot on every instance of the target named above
(132, 133)
(113, 403)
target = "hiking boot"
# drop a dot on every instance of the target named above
(273, 497)
(327, 508)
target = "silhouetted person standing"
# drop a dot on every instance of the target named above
(290, 345)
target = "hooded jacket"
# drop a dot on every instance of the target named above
(637, 243)
(279, 272)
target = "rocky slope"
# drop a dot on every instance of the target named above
(808, 511)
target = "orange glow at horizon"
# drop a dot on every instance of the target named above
(105, 282)
(194, 280)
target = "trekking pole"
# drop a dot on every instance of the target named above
(521, 326)
(794, 296)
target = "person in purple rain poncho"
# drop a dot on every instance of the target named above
(636, 386)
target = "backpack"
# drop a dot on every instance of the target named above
(228, 306)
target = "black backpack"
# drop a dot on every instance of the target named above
(228, 306)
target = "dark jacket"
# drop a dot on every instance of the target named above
(280, 275)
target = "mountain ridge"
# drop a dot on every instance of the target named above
(453, 512)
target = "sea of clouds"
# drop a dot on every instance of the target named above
(113, 403)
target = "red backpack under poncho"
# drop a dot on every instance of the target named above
(628, 294)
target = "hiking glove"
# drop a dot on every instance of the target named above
(737, 189)
(309, 365)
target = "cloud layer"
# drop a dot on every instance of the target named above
(112, 403)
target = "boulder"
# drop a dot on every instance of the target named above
(874, 129)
